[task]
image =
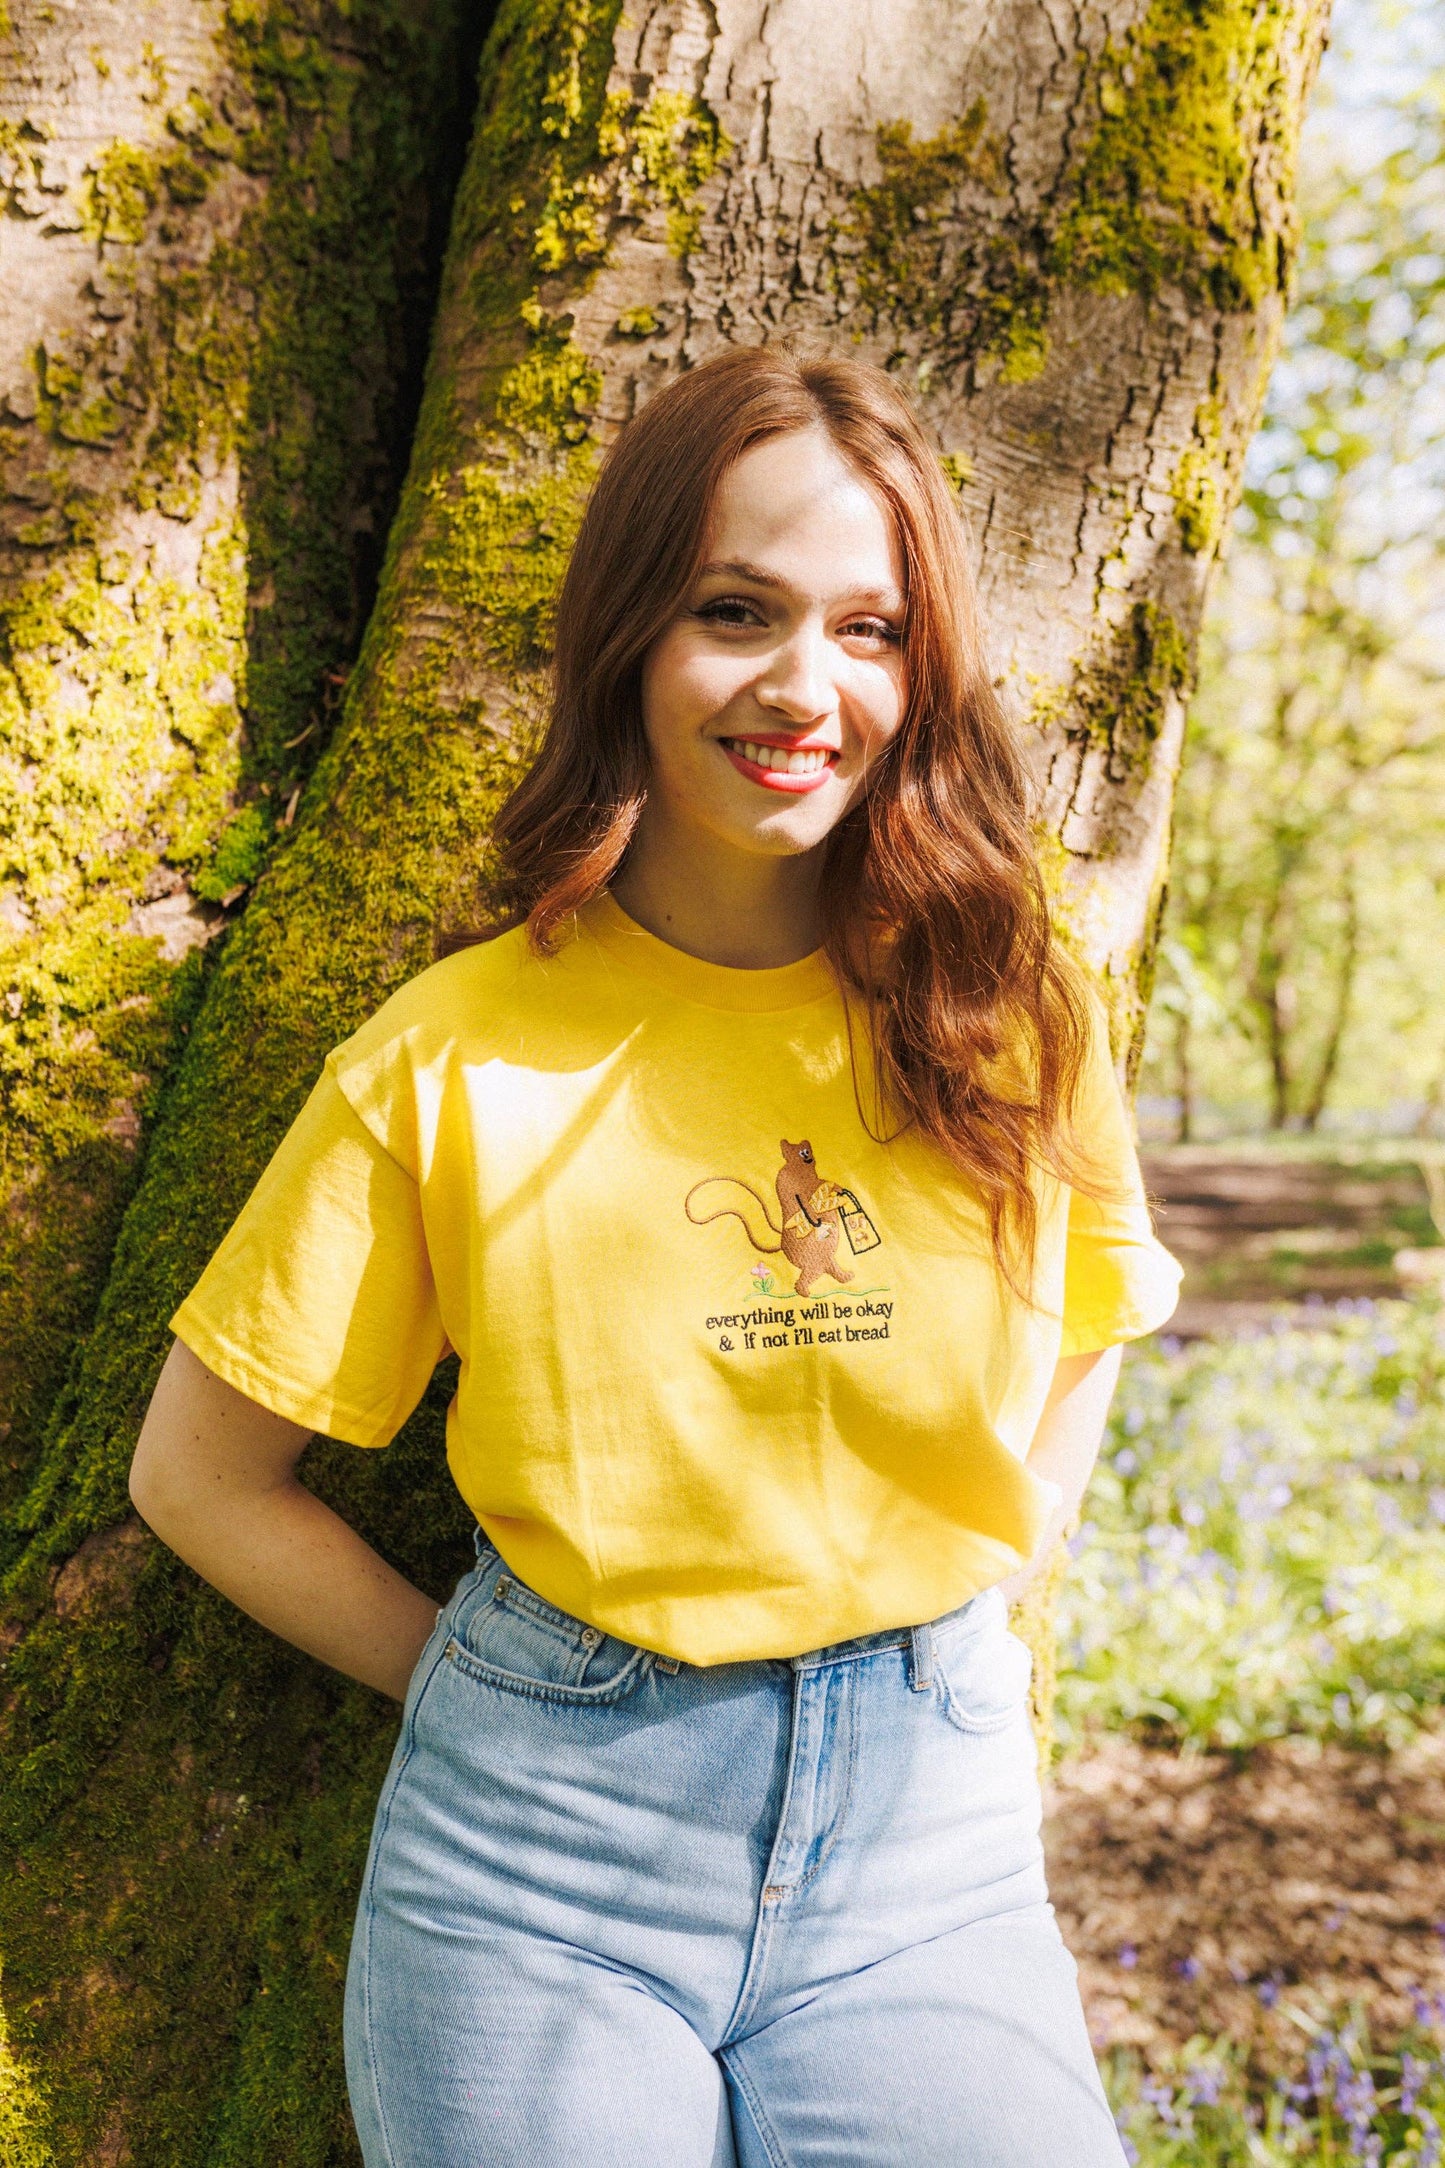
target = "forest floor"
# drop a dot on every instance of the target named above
(1242, 1895)
(1253, 1895)
(1264, 1224)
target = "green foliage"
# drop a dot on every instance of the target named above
(1309, 864)
(1265, 1542)
(1345, 2101)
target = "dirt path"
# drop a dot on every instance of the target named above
(1257, 1228)
(1316, 1874)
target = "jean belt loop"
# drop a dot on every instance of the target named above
(920, 1667)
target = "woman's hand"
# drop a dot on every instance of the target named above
(214, 1476)
(1066, 1445)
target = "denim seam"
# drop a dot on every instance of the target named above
(761, 2122)
(754, 1973)
(756, 1967)
(847, 1800)
(509, 1594)
(854, 1656)
(959, 1717)
(383, 1823)
(961, 1721)
(616, 1689)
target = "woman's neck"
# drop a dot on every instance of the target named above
(751, 911)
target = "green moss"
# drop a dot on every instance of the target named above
(141, 720)
(599, 154)
(139, 715)
(1198, 124)
(1182, 178)
(119, 193)
(240, 853)
(928, 247)
(1198, 487)
(1121, 695)
(675, 146)
(136, 1730)
(22, 2109)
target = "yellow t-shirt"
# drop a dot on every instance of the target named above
(737, 1380)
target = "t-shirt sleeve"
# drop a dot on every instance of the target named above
(320, 1303)
(1119, 1280)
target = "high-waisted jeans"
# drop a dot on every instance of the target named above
(624, 1913)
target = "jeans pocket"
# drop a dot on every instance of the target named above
(503, 1634)
(983, 1674)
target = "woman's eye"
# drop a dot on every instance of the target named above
(730, 610)
(871, 628)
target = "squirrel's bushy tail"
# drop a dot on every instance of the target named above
(732, 1211)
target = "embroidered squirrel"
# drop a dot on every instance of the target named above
(810, 1230)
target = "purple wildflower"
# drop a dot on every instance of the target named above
(1413, 2072)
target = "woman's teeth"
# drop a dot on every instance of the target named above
(777, 756)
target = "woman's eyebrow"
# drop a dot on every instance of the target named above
(737, 568)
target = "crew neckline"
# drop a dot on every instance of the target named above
(714, 986)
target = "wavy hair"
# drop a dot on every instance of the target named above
(935, 917)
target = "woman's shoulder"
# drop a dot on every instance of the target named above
(460, 994)
(392, 1070)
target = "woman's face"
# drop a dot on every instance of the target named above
(780, 680)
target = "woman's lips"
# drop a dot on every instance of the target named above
(812, 763)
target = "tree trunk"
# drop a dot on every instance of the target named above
(1184, 1076)
(1345, 974)
(216, 224)
(1072, 245)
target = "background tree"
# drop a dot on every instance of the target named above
(1074, 249)
(214, 265)
(1310, 854)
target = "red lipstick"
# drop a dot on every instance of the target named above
(779, 778)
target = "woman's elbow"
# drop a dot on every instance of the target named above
(150, 1482)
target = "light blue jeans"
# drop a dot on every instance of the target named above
(624, 1913)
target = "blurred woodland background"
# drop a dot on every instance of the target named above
(1300, 974)
(1248, 1826)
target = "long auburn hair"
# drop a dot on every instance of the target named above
(935, 918)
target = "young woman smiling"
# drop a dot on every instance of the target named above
(769, 1177)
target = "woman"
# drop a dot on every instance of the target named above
(770, 1180)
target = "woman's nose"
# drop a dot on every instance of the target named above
(798, 681)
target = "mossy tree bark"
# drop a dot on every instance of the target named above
(1070, 236)
(213, 266)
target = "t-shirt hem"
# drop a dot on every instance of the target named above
(314, 1411)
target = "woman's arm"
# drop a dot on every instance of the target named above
(1066, 1444)
(215, 1476)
